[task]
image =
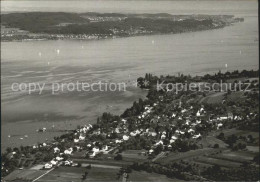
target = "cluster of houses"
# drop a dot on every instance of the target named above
(81, 135)
(102, 19)
(182, 120)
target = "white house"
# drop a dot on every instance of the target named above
(219, 125)
(124, 121)
(163, 136)
(48, 166)
(68, 163)
(56, 150)
(196, 136)
(59, 158)
(118, 141)
(53, 162)
(159, 143)
(81, 137)
(190, 130)
(68, 151)
(133, 134)
(95, 149)
(125, 137)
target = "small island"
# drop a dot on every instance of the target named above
(85, 26)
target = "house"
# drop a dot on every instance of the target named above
(219, 125)
(191, 130)
(174, 137)
(223, 118)
(118, 141)
(125, 137)
(68, 162)
(95, 149)
(133, 133)
(53, 162)
(230, 115)
(68, 151)
(159, 143)
(124, 121)
(117, 130)
(152, 133)
(187, 122)
(105, 148)
(172, 141)
(59, 158)
(83, 130)
(56, 150)
(196, 136)
(198, 121)
(48, 166)
(184, 110)
(81, 137)
(182, 132)
(163, 136)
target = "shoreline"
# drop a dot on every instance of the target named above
(96, 26)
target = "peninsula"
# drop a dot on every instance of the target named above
(59, 25)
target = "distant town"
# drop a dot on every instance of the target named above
(88, 26)
(197, 136)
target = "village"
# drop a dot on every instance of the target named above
(175, 137)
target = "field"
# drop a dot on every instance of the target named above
(26, 174)
(133, 155)
(64, 174)
(213, 98)
(174, 157)
(225, 159)
(228, 132)
(210, 141)
(144, 176)
(220, 162)
(68, 174)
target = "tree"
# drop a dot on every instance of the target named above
(216, 146)
(84, 176)
(118, 157)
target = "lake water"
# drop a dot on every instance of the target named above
(113, 60)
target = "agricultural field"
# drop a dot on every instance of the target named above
(64, 174)
(25, 174)
(174, 157)
(215, 98)
(226, 158)
(134, 155)
(144, 176)
(220, 162)
(68, 174)
(210, 141)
